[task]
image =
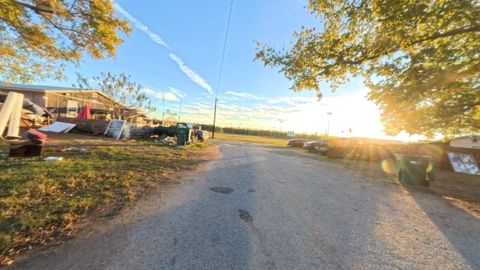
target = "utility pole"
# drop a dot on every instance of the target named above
(214, 118)
(180, 110)
(221, 67)
(163, 110)
(328, 124)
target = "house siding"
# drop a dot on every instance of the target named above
(58, 101)
(36, 97)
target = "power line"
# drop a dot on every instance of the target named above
(221, 67)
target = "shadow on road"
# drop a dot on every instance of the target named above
(460, 228)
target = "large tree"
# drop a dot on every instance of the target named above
(119, 87)
(420, 58)
(38, 37)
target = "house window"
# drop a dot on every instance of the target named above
(72, 108)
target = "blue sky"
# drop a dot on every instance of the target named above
(176, 47)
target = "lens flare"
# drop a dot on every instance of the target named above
(388, 166)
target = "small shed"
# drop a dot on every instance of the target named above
(470, 142)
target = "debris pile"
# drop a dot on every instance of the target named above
(32, 147)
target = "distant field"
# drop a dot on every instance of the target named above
(250, 138)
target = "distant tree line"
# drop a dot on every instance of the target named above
(261, 132)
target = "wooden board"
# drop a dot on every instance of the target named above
(6, 111)
(15, 118)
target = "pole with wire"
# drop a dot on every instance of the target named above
(214, 117)
(221, 69)
(163, 108)
(327, 134)
(180, 110)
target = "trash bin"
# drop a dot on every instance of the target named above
(415, 170)
(183, 136)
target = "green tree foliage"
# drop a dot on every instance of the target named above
(38, 37)
(421, 59)
(119, 87)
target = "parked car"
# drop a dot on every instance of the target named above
(296, 143)
(317, 147)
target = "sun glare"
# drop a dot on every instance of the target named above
(351, 115)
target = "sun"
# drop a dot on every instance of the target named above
(350, 115)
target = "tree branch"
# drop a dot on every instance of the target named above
(40, 11)
(471, 28)
(63, 29)
(72, 6)
(36, 9)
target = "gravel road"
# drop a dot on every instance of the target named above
(260, 207)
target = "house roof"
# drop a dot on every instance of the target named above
(51, 89)
(38, 88)
(473, 136)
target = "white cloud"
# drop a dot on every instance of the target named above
(198, 105)
(168, 94)
(158, 40)
(153, 93)
(243, 95)
(140, 26)
(292, 100)
(191, 73)
(179, 93)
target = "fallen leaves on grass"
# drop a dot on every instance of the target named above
(40, 202)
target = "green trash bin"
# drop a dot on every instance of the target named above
(183, 136)
(415, 170)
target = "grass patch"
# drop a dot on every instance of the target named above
(41, 201)
(252, 139)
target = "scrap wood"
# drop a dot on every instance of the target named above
(28, 117)
(25, 149)
(29, 105)
(36, 136)
(24, 111)
(15, 118)
(11, 112)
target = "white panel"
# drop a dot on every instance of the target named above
(58, 127)
(15, 117)
(7, 111)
